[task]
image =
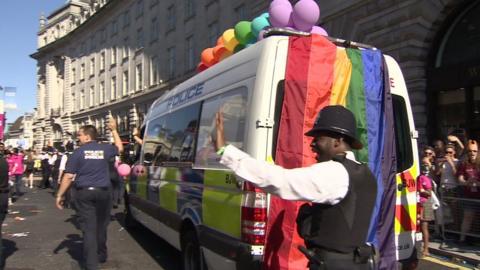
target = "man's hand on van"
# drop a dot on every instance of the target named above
(220, 142)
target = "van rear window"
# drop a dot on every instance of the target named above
(233, 104)
(402, 134)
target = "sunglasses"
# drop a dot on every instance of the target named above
(429, 153)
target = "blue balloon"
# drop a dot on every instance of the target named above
(258, 24)
(265, 15)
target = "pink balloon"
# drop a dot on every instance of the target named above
(319, 30)
(139, 170)
(305, 14)
(123, 169)
(280, 14)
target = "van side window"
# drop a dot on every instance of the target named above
(171, 138)
(233, 105)
(402, 134)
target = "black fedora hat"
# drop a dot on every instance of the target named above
(336, 119)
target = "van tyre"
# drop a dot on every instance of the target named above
(192, 257)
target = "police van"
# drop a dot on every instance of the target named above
(179, 190)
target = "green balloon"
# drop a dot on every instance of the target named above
(238, 48)
(243, 32)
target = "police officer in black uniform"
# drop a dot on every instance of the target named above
(90, 166)
(4, 189)
(342, 190)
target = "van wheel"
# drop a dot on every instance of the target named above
(191, 254)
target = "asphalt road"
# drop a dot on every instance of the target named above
(37, 236)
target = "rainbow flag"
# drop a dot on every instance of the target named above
(319, 73)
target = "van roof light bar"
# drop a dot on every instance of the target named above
(278, 31)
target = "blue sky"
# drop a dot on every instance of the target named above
(19, 24)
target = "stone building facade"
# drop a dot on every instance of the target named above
(118, 56)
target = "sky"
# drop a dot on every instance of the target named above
(19, 24)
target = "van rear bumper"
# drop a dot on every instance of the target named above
(229, 248)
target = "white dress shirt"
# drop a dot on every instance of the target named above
(324, 182)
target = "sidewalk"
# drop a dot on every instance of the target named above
(462, 254)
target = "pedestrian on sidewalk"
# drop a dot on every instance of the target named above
(90, 166)
(424, 183)
(46, 170)
(4, 190)
(17, 170)
(29, 169)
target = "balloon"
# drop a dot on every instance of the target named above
(218, 51)
(319, 30)
(225, 54)
(229, 39)
(258, 24)
(243, 32)
(305, 14)
(238, 48)
(280, 13)
(279, 2)
(207, 57)
(220, 41)
(265, 15)
(201, 67)
(123, 169)
(139, 170)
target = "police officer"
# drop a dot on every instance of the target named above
(342, 190)
(89, 163)
(4, 189)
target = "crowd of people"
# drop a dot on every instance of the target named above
(448, 189)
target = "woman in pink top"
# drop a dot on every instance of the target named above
(16, 159)
(424, 187)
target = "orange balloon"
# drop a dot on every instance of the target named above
(201, 67)
(207, 57)
(225, 54)
(218, 51)
(220, 41)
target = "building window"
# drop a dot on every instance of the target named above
(139, 11)
(140, 43)
(82, 99)
(102, 61)
(213, 33)
(91, 97)
(125, 83)
(113, 59)
(113, 88)
(82, 71)
(154, 29)
(74, 76)
(171, 17)
(114, 27)
(92, 66)
(126, 19)
(241, 12)
(154, 70)
(171, 62)
(101, 94)
(190, 53)
(139, 76)
(189, 9)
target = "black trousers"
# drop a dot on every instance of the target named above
(3, 213)
(93, 208)
(338, 261)
(46, 172)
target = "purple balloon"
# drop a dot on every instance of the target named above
(319, 30)
(305, 14)
(280, 13)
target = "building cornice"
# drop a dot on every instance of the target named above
(68, 37)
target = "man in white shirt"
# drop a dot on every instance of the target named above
(335, 226)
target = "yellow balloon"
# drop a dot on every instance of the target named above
(229, 39)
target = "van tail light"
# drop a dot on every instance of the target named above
(254, 215)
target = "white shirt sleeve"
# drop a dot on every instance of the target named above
(324, 182)
(63, 162)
